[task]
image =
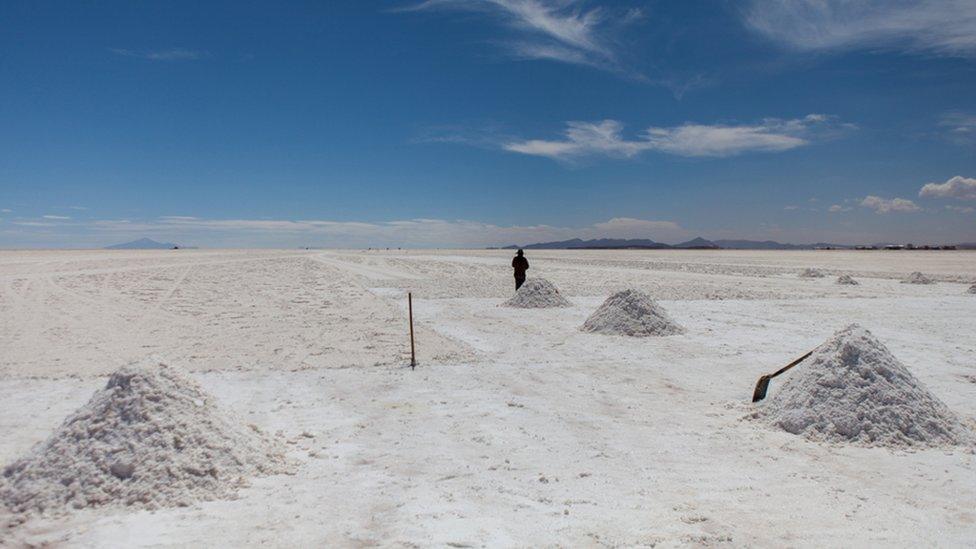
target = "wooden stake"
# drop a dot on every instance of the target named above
(413, 355)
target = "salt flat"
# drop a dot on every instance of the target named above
(517, 428)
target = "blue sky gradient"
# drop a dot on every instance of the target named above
(486, 122)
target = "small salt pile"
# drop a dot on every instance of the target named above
(631, 313)
(853, 390)
(917, 278)
(972, 289)
(811, 273)
(537, 293)
(151, 438)
(847, 280)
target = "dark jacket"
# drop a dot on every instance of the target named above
(520, 264)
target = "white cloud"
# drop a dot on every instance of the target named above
(962, 188)
(6, 210)
(173, 54)
(60, 217)
(961, 127)
(961, 209)
(791, 207)
(34, 223)
(838, 208)
(884, 205)
(557, 30)
(605, 138)
(701, 140)
(939, 27)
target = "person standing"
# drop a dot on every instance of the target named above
(520, 265)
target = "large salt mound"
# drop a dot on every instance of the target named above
(853, 390)
(811, 273)
(631, 313)
(537, 293)
(151, 438)
(917, 278)
(847, 280)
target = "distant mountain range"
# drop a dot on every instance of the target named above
(576, 243)
(698, 243)
(143, 244)
(773, 245)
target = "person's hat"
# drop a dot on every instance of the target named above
(520, 252)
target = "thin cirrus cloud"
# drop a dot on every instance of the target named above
(889, 205)
(172, 54)
(605, 138)
(958, 187)
(555, 30)
(935, 27)
(960, 127)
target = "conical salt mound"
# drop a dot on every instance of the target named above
(847, 280)
(537, 293)
(853, 390)
(917, 278)
(151, 438)
(811, 273)
(631, 313)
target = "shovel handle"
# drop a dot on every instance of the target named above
(763, 384)
(790, 365)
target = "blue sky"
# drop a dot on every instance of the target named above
(486, 122)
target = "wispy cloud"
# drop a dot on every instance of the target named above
(960, 127)
(886, 205)
(606, 138)
(961, 188)
(836, 208)
(6, 210)
(961, 209)
(556, 30)
(29, 223)
(937, 27)
(58, 217)
(172, 54)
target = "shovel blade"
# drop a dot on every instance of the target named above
(761, 387)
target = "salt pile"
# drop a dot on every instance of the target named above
(811, 273)
(537, 293)
(151, 438)
(847, 280)
(853, 390)
(631, 313)
(917, 278)
(972, 289)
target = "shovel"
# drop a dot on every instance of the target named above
(763, 384)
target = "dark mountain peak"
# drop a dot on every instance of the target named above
(142, 244)
(698, 243)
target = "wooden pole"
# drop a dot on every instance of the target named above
(413, 354)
